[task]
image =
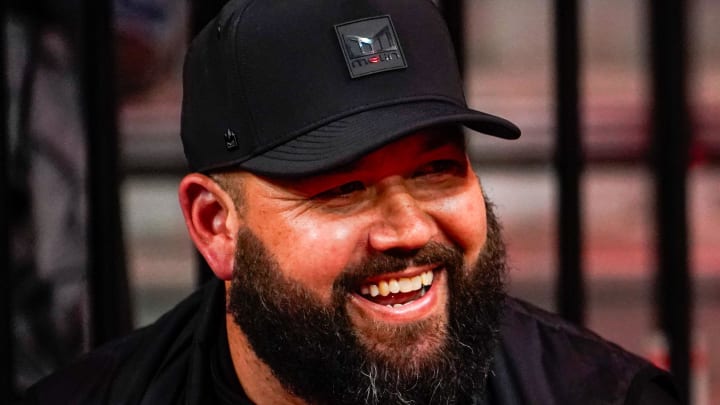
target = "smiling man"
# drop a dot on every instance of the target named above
(358, 260)
(361, 284)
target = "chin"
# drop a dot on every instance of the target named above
(414, 343)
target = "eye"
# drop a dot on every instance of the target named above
(341, 191)
(439, 167)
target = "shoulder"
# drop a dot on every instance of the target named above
(554, 338)
(125, 370)
(555, 361)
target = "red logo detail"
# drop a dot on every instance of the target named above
(374, 59)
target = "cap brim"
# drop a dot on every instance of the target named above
(346, 140)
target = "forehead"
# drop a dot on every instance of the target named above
(397, 157)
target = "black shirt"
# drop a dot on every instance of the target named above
(184, 358)
(228, 390)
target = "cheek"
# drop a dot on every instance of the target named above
(316, 253)
(331, 245)
(464, 221)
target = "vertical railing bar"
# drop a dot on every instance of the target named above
(671, 134)
(570, 293)
(7, 384)
(107, 279)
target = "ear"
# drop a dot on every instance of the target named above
(211, 220)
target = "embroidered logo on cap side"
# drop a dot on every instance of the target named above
(231, 141)
(370, 46)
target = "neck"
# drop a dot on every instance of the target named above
(256, 378)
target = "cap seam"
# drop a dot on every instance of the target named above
(236, 66)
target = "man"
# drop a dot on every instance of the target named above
(360, 261)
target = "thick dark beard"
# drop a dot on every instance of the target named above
(314, 351)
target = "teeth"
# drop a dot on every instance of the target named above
(427, 278)
(399, 305)
(394, 286)
(384, 289)
(416, 283)
(405, 285)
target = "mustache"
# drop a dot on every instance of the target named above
(392, 261)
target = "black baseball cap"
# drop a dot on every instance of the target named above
(287, 88)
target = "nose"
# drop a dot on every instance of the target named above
(401, 222)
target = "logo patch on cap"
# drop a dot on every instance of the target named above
(370, 46)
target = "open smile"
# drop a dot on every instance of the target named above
(409, 296)
(396, 292)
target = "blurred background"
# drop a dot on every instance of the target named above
(92, 112)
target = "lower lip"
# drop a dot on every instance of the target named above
(413, 311)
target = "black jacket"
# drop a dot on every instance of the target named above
(541, 360)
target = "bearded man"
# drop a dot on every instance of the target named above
(358, 260)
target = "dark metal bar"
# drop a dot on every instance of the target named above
(671, 134)
(7, 380)
(454, 11)
(570, 293)
(107, 278)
